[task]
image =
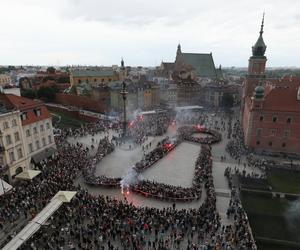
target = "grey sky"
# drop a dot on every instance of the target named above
(146, 32)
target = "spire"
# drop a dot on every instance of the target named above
(259, 48)
(122, 64)
(178, 49)
(262, 25)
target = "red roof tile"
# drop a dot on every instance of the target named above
(26, 105)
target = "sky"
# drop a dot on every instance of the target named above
(144, 33)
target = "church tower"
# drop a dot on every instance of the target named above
(122, 73)
(257, 64)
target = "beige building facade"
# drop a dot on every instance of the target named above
(13, 150)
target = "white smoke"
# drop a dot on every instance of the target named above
(292, 215)
(131, 178)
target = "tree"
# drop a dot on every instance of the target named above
(227, 100)
(29, 93)
(47, 93)
(51, 70)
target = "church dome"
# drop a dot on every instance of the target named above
(259, 92)
(260, 47)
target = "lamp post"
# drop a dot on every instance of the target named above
(124, 96)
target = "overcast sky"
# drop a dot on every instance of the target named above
(100, 32)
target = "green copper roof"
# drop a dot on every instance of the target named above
(92, 73)
(203, 64)
(259, 92)
(260, 47)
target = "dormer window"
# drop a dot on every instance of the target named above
(37, 112)
(23, 116)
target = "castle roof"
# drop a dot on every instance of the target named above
(202, 63)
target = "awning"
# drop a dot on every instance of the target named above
(40, 219)
(37, 158)
(65, 196)
(4, 187)
(28, 174)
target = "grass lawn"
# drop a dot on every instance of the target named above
(270, 217)
(284, 181)
(255, 203)
(67, 121)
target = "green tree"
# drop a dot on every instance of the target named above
(47, 93)
(51, 70)
(29, 93)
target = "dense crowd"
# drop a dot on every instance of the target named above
(187, 132)
(236, 147)
(98, 222)
(203, 167)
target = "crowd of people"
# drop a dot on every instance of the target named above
(187, 132)
(236, 147)
(99, 222)
(203, 167)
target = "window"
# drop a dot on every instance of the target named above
(38, 112)
(17, 136)
(95, 80)
(37, 144)
(35, 130)
(8, 139)
(19, 152)
(283, 145)
(49, 139)
(261, 118)
(23, 116)
(30, 147)
(42, 128)
(257, 142)
(273, 131)
(47, 125)
(44, 142)
(270, 144)
(286, 133)
(12, 156)
(27, 132)
(5, 125)
(289, 120)
(259, 131)
(14, 123)
(274, 119)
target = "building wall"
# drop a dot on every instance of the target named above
(81, 102)
(5, 79)
(147, 98)
(38, 136)
(93, 80)
(11, 126)
(279, 136)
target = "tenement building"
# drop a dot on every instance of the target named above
(271, 107)
(36, 125)
(13, 154)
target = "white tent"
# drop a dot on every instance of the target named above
(28, 174)
(4, 187)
